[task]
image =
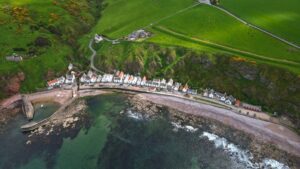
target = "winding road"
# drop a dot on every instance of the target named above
(92, 65)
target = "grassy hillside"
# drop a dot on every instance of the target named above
(43, 32)
(279, 17)
(201, 27)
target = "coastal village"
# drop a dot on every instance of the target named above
(123, 80)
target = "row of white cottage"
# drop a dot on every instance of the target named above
(68, 79)
(121, 78)
(219, 96)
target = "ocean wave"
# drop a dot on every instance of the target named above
(240, 156)
(274, 164)
(134, 115)
(187, 128)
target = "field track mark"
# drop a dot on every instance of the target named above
(256, 27)
(222, 47)
(174, 14)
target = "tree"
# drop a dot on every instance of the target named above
(215, 2)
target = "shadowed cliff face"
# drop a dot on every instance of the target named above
(273, 88)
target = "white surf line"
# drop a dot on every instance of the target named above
(257, 28)
(241, 156)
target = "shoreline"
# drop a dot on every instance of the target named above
(267, 132)
(276, 134)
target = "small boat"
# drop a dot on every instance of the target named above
(42, 105)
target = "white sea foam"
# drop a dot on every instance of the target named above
(243, 157)
(134, 115)
(274, 164)
(190, 128)
(186, 127)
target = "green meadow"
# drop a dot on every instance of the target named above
(222, 32)
(201, 27)
(277, 16)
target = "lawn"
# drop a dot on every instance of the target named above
(200, 23)
(277, 16)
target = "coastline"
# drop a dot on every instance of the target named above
(267, 132)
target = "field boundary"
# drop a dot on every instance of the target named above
(255, 27)
(222, 47)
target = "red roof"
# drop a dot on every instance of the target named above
(51, 82)
(238, 103)
(121, 75)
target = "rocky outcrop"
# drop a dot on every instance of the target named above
(259, 149)
(13, 84)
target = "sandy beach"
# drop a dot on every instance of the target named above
(276, 134)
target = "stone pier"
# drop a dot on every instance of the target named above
(27, 107)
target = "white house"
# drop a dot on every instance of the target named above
(211, 95)
(134, 81)
(205, 93)
(98, 38)
(221, 96)
(139, 80)
(94, 78)
(70, 67)
(61, 80)
(156, 82)
(70, 78)
(130, 79)
(90, 73)
(117, 79)
(170, 82)
(83, 78)
(230, 100)
(176, 86)
(185, 88)
(110, 78)
(126, 78)
(99, 78)
(144, 80)
(104, 78)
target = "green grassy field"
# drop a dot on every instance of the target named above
(223, 30)
(198, 24)
(121, 17)
(279, 17)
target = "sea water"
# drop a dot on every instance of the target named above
(114, 137)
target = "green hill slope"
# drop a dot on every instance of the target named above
(199, 25)
(43, 32)
(279, 17)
